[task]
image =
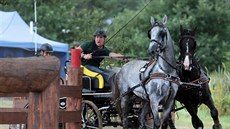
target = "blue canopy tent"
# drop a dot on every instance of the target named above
(16, 40)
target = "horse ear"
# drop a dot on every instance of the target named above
(181, 29)
(152, 21)
(195, 29)
(164, 20)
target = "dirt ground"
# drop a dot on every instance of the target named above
(8, 127)
(4, 127)
(112, 127)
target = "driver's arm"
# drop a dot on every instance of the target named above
(117, 56)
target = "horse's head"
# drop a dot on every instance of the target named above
(187, 45)
(158, 36)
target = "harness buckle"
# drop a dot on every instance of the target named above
(169, 76)
(172, 78)
(199, 81)
(142, 69)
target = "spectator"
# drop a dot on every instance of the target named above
(46, 50)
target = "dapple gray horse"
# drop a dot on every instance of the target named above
(157, 86)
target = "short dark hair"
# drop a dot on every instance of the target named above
(46, 47)
(100, 32)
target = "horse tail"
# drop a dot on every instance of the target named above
(115, 92)
(114, 87)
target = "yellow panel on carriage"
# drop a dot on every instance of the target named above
(90, 73)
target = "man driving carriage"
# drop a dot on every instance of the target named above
(93, 52)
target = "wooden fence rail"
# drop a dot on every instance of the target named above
(37, 79)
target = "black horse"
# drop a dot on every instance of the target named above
(190, 71)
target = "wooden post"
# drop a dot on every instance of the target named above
(50, 106)
(44, 108)
(38, 76)
(74, 78)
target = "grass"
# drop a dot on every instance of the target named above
(6, 102)
(183, 119)
(220, 88)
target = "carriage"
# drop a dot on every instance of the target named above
(98, 108)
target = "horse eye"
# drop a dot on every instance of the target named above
(162, 34)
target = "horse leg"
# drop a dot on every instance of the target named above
(168, 123)
(192, 109)
(143, 114)
(124, 110)
(171, 120)
(167, 108)
(154, 108)
(213, 111)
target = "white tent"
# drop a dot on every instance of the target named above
(16, 39)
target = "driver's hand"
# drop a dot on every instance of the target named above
(125, 59)
(88, 56)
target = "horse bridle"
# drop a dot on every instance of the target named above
(160, 46)
(187, 53)
(188, 37)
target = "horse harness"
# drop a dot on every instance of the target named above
(155, 75)
(197, 83)
(151, 75)
(164, 76)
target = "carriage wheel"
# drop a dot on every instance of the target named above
(91, 117)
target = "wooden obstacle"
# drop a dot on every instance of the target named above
(37, 78)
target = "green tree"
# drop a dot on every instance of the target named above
(76, 20)
(211, 18)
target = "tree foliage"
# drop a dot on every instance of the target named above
(127, 23)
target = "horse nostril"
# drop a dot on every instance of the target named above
(151, 52)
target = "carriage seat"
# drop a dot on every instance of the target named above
(92, 80)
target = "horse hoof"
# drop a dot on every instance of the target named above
(217, 126)
(143, 127)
